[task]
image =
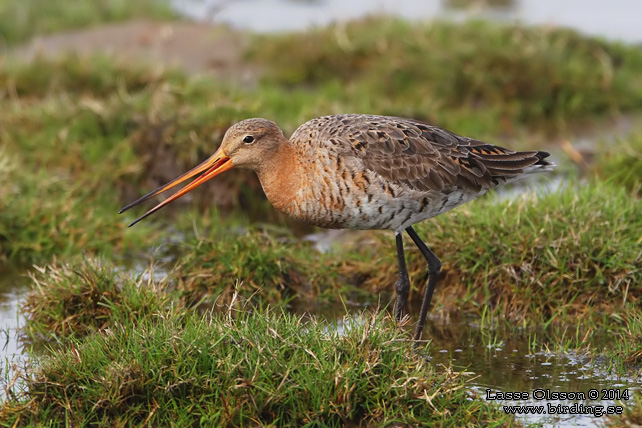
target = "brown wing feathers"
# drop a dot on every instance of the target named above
(426, 157)
(501, 162)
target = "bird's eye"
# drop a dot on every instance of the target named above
(248, 139)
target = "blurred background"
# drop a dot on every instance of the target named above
(615, 20)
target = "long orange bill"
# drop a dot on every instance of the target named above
(216, 164)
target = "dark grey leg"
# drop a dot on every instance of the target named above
(434, 266)
(402, 286)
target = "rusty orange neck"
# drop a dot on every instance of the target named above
(281, 179)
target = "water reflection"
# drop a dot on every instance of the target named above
(505, 363)
(13, 285)
(510, 366)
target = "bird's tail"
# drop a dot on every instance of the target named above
(541, 165)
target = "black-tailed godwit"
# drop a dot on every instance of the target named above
(355, 171)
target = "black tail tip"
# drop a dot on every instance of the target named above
(540, 158)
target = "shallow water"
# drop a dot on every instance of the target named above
(13, 285)
(507, 366)
(615, 19)
(510, 366)
(498, 363)
(497, 366)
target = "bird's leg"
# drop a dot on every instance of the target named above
(434, 266)
(402, 286)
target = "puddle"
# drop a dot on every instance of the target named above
(539, 185)
(510, 366)
(506, 366)
(153, 266)
(13, 285)
(615, 19)
(581, 384)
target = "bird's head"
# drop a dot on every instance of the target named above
(248, 144)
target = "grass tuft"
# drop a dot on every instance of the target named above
(572, 254)
(632, 416)
(97, 76)
(569, 255)
(268, 269)
(258, 368)
(86, 297)
(627, 346)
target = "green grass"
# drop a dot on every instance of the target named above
(626, 352)
(68, 149)
(570, 255)
(563, 261)
(99, 133)
(252, 263)
(268, 266)
(621, 162)
(97, 78)
(88, 296)
(22, 19)
(480, 78)
(632, 415)
(81, 137)
(255, 368)
(43, 215)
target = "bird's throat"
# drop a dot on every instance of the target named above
(281, 180)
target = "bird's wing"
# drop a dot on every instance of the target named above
(425, 157)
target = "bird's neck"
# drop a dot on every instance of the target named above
(281, 179)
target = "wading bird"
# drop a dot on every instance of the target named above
(356, 171)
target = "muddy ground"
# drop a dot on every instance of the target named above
(198, 48)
